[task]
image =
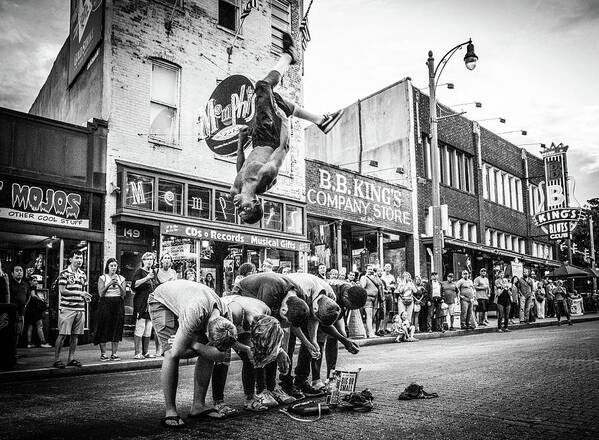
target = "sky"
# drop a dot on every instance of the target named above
(537, 62)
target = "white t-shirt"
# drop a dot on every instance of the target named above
(311, 286)
(113, 291)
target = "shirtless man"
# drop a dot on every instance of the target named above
(269, 133)
(189, 319)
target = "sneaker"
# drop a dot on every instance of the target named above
(114, 357)
(255, 405)
(309, 390)
(103, 357)
(329, 121)
(30, 346)
(267, 399)
(499, 330)
(292, 390)
(289, 48)
(281, 396)
(319, 385)
(139, 356)
(46, 345)
(149, 356)
(506, 330)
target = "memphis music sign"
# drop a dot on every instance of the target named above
(230, 108)
(43, 204)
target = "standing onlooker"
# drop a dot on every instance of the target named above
(355, 325)
(112, 289)
(34, 318)
(561, 303)
(525, 297)
(72, 283)
(144, 283)
(322, 271)
(515, 291)
(481, 286)
(550, 299)
(4, 289)
(190, 275)
(333, 274)
(449, 292)
(267, 265)
(20, 291)
(465, 288)
(166, 272)
(244, 270)
(389, 286)
(433, 303)
(209, 281)
(372, 284)
(420, 301)
(285, 270)
(540, 299)
(406, 290)
(503, 299)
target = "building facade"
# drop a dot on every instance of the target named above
(174, 80)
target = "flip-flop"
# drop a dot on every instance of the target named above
(179, 422)
(207, 414)
(226, 410)
(74, 363)
(58, 364)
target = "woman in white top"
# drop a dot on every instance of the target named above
(111, 310)
(406, 290)
(165, 272)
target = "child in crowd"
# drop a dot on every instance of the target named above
(402, 328)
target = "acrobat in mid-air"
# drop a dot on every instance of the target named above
(269, 134)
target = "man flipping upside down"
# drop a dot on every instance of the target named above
(269, 133)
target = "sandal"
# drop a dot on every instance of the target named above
(139, 356)
(74, 363)
(103, 357)
(226, 410)
(172, 422)
(58, 364)
(207, 414)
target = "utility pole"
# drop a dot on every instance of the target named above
(593, 262)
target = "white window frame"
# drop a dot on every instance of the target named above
(235, 3)
(176, 129)
(275, 4)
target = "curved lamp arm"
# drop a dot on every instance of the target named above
(445, 59)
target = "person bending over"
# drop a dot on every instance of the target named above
(269, 135)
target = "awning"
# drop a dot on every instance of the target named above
(569, 271)
(493, 251)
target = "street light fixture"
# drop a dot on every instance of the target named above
(434, 73)
(534, 143)
(523, 132)
(372, 163)
(475, 103)
(450, 86)
(502, 120)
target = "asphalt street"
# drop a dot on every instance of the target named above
(533, 383)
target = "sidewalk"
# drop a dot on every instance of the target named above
(36, 363)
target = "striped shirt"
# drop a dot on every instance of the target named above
(73, 281)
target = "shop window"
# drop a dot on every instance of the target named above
(224, 209)
(170, 197)
(227, 14)
(139, 193)
(273, 215)
(164, 102)
(280, 22)
(198, 201)
(294, 219)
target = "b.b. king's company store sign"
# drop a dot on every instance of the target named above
(34, 203)
(348, 196)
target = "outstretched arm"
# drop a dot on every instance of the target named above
(242, 141)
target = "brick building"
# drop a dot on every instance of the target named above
(172, 80)
(490, 186)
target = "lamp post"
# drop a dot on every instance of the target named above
(434, 72)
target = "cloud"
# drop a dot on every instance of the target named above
(579, 12)
(28, 47)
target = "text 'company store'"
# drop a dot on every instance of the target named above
(355, 220)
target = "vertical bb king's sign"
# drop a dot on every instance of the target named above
(557, 219)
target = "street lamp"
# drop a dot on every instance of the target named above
(498, 118)
(433, 77)
(475, 103)
(522, 132)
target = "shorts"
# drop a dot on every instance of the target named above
(389, 303)
(483, 305)
(165, 324)
(143, 328)
(370, 301)
(267, 124)
(70, 322)
(453, 308)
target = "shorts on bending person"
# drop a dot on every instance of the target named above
(165, 324)
(70, 322)
(267, 124)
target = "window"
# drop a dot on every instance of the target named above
(485, 182)
(227, 14)
(170, 197)
(501, 187)
(456, 167)
(224, 209)
(294, 219)
(198, 201)
(139, 192)
(273, 215)
(280, 22)
(164, 103)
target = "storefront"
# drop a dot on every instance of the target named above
(196, 222)
(354, 220)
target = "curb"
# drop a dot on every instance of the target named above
(104, 368)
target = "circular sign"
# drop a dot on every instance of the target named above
(230, 107)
